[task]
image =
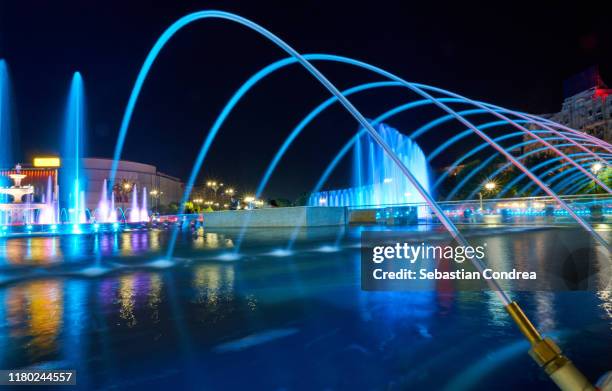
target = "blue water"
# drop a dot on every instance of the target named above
(377, 180)
(299, 322)
(6, 146)
(72, 181)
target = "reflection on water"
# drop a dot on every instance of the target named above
(154, 295)
(214, 285)
(34, 250)
(212, 240)
(123, 326)
(34, 311)
(126, 298)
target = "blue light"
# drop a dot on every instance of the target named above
(4, 228)
(96, 226)
(115, 226)
(179, 24)
(29, 227)
(76, 229)
(53, 227)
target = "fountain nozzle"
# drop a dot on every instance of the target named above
(548, 355)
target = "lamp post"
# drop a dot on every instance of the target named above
(155, 195)
(595, 168)
(229, 193)
(489, 186)
(214, 186)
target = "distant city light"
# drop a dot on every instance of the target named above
(249, 199)
(52, 161)
(490, 186)
(388, 180)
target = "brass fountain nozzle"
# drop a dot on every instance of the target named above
(548, 355)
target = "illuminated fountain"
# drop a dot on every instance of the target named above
(134, 211)
(72, 179)
(144, 212)
(377, 180)
(107, 213)
(5, 124)
(29, 203)
(22, 209)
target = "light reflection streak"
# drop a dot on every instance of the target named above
(214, 287)
(126, 299)
(154, 296)
(36, 250)
(35, 311)
(212, 240)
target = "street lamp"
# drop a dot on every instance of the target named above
(155, 194)
(596, 167)
(489, 186)
(214, 185)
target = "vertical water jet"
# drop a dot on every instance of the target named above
(72, 180)
(377, 180)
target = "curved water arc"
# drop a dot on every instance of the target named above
(565, 183)
(354, 112)
(479, 148)
(489, 160)
(525, 187)
(518, 126)
(550, 181)
(579, 186)
(500, 169)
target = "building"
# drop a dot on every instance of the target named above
(162, 189)
(587, 106)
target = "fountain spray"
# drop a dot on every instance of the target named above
(560, 369)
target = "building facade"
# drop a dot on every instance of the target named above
(162, 189)
(587, 107)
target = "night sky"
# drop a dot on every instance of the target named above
(504, 53)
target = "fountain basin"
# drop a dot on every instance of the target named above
(307, 216)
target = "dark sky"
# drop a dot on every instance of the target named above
(512, 54)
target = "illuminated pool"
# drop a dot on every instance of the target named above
(109, 306)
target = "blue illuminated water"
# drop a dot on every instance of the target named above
(262, 322)
(377, 180)
(72, 180)
(5, 123)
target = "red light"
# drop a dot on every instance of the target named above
(601, 93)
